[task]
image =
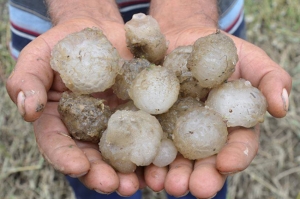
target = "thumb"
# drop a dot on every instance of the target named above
(31, 79)
(273, 81)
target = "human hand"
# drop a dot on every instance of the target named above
(205, 177)
(36, 89)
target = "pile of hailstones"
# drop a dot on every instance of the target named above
(181, 102)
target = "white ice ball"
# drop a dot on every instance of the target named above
(86, 61)
(239, 103)
(155, 89)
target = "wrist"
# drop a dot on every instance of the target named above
(174, 14)
(94, 10)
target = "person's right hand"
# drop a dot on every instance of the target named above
(36, 89)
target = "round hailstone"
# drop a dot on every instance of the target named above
(86, 61)
(239, 103)
(213, 59)
(144, 38)
(167, 153)
(155, 89)
(168, 120)
(199, 133)
(131, 137)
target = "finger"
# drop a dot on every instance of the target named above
(177, 180)
(30, 80)
(257, 67)
(101, 177)
(129, 184)
(155, 177)
(57, 146)
(206, 181)
(239, 151)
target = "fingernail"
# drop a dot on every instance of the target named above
(121, 194)
(186, 193)
(21, 103)
(285, 99)
(77, 175)
(212, 196)
(228, 173)
(101, 192)
(209, 197)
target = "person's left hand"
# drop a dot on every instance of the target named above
(205, 177)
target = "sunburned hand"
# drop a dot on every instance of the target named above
(204, 178)
(36, 89)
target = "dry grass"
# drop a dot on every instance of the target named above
(274, 173)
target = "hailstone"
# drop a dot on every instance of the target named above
(144, 38)
(131, 137)
(86, 61)
(213, 59)
(177, 62)
(130, 70)
(199, 133)
(239, 103)
(85, 117)
(155, 89)
(167, 153)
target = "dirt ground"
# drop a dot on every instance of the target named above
(273, 174)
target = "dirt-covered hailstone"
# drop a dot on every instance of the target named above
(144, 38)
(84, 116)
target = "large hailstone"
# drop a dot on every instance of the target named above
(199, 133)
(86, 61)
(132, 138)
(155, 89)
(144, 38)
(239, 103)
(213, 59)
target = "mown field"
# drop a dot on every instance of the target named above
(274, 25)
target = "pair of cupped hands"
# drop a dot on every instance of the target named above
(36, 90)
